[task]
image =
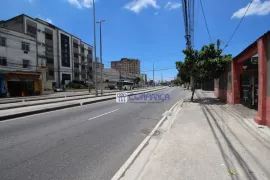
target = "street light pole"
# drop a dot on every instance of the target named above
(100, 36)
(153, 74)
(95, 47)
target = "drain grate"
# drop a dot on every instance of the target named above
(147, 131)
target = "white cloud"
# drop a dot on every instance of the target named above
(45, 19)
(256, 8)
(172, 5)
(81, 3)
(76, 3)
(137, 5)
(48, 20)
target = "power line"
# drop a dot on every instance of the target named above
(205, 22)
(238, 25)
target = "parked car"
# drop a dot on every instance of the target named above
(58, 89)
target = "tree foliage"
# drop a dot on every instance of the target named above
(208, 63)
(137, 80)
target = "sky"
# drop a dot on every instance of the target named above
(150, 30)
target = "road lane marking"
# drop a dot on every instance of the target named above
(103, 114)
(86, 105)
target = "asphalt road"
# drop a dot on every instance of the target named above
(87, 142)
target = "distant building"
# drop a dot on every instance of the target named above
(111, 76)
(127, 66)
(99, 65)
(143, 81)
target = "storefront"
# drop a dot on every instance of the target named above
(3, 90)
(249, 83)
(23, 84)
(249, 79)
(257, 81)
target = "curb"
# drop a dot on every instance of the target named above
(64, 100)
(3, 118)
(119, 174)
(41, 103)
(11, 116)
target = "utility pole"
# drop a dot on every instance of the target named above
(218, 44)
(100, 37)
(95, 47)
(153, 74)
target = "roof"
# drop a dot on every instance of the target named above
(252, 46)
(45, 23)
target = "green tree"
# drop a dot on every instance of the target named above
(137, 80)
(183, 75)
(208, 63)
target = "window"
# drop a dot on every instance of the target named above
(2, 41)
(83, 67)
(82, 58)
(49, 60)
(3, 61)
(76, 75)
(31, 29)
(76, 55)
(51, 72)
(25, 63)
(48, 36)
(82, 50)
(89, 51)
(75, 45)
(49, 48)
(83, 76)
(76, 65)
(25, 46)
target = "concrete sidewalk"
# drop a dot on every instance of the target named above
(206, 140)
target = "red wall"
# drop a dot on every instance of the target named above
(225, 95)
(268, 111)
(229, 97)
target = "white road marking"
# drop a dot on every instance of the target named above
(24, 117)
(103, 114)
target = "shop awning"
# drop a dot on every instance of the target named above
(23, 75)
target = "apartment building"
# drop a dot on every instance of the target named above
(61, 56)
(18, 63)
(127, 66)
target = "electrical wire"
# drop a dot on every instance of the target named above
(238, 25)
(205, 22)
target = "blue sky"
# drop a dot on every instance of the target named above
(151, 30)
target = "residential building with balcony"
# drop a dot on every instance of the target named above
(63, 55)
(18, 64)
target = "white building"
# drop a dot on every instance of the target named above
(63, 55)
(110, 75)
(18, 64)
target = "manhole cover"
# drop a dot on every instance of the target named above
(148, 131)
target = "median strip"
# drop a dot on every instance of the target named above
(37, 109)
